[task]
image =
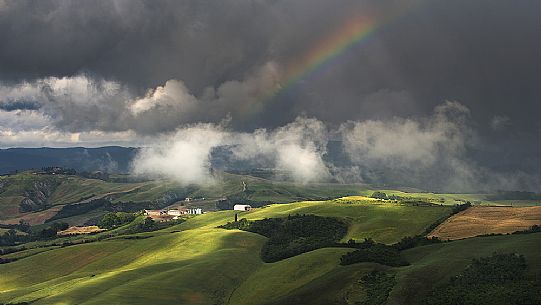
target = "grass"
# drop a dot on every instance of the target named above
(35, 218)
(433, 265)
(515, 203)
(71, 189)
(74, 189)
(439, 198)
(282, 192)
(205, 265)
(9, 206)
(80, 220)
(271, 282)
(384, 222)
(200, 265)
(29, 252)
(164, 269)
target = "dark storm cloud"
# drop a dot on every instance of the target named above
(482, 53)
(143, 43)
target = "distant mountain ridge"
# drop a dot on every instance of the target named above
(116, 159)
(109, 158)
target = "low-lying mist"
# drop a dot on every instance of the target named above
(185, 155)
(430, 153)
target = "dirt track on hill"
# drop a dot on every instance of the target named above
(487, 220)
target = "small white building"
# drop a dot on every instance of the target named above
(195, 211)
(176, 212)
(242, 207)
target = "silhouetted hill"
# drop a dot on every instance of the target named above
(110, 158)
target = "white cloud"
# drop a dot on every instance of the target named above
(296, 148)
(173, 96)
(183, 156)
(406, 142)
(82, 103)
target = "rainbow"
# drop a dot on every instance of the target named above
(347, 36)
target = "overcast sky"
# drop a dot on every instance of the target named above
(90, 73)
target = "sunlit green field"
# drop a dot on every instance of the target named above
(384, 222)
(440, 198)
(197, 263)
(201, 264)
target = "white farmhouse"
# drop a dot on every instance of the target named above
(242, 207)
(185, 211)
(195, 211)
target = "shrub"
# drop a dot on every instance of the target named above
(293, 235)
(242, 224)
(376, 253)
(496, 280)
(115, 219)
(409, 242)
(379, 195)
(377, 285)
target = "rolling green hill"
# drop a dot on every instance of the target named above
(434, 264)
(37, 197)
(201, 264)
(384, 222)
(197, 263)
(45, 194)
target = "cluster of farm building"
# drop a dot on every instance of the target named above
(171, 214)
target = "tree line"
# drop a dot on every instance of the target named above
(293, 235)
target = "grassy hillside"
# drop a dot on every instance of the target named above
(384, 222)
(179, 263)
(196, 263)
(439, 198)
(74, 189)
(48, 193)
(272, 282)
(434, 264)
(164, 269)
(51, 191)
